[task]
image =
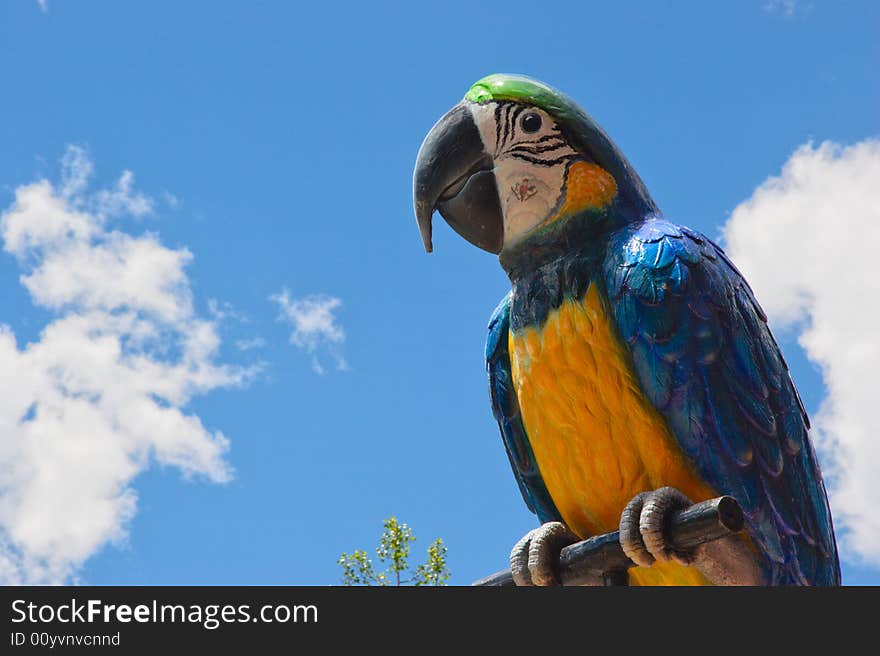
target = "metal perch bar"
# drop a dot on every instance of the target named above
(600, 560)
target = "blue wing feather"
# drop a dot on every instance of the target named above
(505, 408)
(706, 359)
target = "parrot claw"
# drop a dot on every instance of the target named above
(727, 561)
(534, 559)
(642, 523)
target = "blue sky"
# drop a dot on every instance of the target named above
(275, 143)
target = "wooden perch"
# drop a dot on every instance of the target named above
(600, 560)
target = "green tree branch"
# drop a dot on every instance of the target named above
(393, 552)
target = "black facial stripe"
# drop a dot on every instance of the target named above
(516, 112)
(541, 162)
(508, 124)
(555, 134)
(542, 140)
(506, 130)
(499, 127)
(534, 148)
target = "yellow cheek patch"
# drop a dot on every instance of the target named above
(586, 186)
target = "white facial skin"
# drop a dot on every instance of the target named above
(530, 191)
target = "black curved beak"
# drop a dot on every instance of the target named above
(454, 175)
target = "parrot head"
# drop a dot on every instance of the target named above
(515, 158)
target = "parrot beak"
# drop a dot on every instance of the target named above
(454, 175)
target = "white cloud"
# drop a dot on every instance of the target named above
(787, 8)
(170, 200)
(315, 329)
(223, 310)
(44, 7)
(250, 344)
(806, 241)
(102, 393)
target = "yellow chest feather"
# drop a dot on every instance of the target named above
(597, 439)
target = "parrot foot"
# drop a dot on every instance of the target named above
(727, 561)
(534, 559)
(641, 527)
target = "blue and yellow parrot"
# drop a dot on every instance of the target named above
(631, 370)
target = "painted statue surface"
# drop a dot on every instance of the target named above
(631, 370)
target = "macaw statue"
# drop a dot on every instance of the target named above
(631, 370)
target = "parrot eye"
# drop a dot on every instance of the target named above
(530, 122)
